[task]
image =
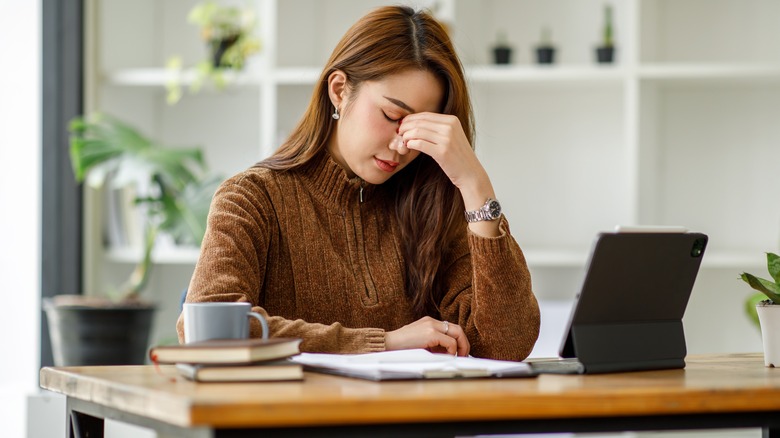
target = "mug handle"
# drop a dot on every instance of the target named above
(263, 323)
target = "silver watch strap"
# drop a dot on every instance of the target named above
(475, 216)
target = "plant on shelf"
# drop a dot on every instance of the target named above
(605, 52)
(764, 307)
(502, 51)
(228, 34)
(173, 193)
(545, 51)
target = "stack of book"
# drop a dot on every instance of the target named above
(233, 360)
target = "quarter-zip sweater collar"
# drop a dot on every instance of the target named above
(329, 181)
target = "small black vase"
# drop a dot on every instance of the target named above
(545, 55)
(218, 48)
(605, 54)
(502, 55)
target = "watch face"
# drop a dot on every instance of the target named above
(494, 209)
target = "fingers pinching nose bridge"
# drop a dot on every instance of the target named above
(399, 145)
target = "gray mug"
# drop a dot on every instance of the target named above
(204, 321)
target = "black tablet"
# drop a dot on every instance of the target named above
(628, 313)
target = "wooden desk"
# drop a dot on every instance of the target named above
(714, 391)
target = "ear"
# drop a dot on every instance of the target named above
(337, 87)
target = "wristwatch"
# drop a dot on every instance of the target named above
(488, 212)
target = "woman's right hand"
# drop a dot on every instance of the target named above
(431, 334)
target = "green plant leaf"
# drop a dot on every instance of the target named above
(105, 150)
(771, 290)
(104, 141)
(773, 263)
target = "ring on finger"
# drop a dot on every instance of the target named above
(446, 326)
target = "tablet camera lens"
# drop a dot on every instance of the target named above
(698, 248)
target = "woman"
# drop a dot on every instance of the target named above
(352, 235)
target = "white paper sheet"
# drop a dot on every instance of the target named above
(410, 364)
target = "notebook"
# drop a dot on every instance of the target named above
(628, 313)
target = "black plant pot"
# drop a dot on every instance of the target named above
(502, 55)
(605, 55)
(218, 48)
(84, 335)
(545, 55)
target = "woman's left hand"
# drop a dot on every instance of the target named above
(441, 136)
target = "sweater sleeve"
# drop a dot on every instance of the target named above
(232, 266)
(488, 293)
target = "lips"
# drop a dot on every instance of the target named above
(387, 166)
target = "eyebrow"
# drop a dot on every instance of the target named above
(401, 104)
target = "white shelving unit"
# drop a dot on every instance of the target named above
(681, 130)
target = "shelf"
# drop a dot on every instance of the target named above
(696, 72)
(170, 256)
(537, 73)
(734, 259)
(296, 75)
(555, 258)
(159, 77)
(574, 258)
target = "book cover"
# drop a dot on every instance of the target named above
(226, 351)
(411, 364)
(281, 370)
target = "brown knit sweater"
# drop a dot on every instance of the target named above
(326, 267)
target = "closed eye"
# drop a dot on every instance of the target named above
(391, 119)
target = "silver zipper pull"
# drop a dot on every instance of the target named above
(361, 191)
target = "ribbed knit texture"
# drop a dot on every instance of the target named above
(325, 267)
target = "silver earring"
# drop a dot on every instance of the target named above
(336, 115)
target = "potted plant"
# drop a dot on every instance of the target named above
(502, 52)
(545, 51)
(605, 53)
(767, 308)
(107, 152)
(227, 33)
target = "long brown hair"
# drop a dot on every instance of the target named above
(386, 41)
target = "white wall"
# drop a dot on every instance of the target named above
(19, 208)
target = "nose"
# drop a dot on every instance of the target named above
(399, 145)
